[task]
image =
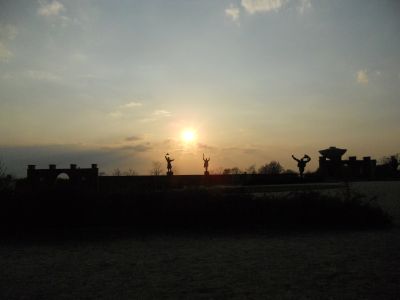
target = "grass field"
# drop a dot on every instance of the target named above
(118, 264)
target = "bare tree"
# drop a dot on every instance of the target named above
(273, 168)
(116, 172)
(251, 169)
(232, 171)
(130, 172)
(3, 169)
(6, 181)
(236, 170)
(217, 171)
(391, 161)
(226, 171)
(156, 169)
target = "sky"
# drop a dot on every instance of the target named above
(118, 82)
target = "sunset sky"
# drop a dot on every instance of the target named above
(119, 82)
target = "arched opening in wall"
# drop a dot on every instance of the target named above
(62, 180)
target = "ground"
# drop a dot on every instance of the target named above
(214, 265)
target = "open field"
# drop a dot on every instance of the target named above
(118, 264)
(387, 194)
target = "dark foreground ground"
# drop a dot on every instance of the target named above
(120, 264)
(329, 265)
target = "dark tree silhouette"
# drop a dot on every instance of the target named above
(2, 169)
(391, 161)
(251, 169)
(232, 171)
(116, 172)
(272, 168)
(130, 172)
(156, 169)
(389, 166)
(217, 171)
(5, 180)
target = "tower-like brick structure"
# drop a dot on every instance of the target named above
(332, 165)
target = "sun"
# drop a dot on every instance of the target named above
(188, 135)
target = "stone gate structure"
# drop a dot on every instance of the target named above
(77, 177)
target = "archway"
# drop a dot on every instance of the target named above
(62, 180)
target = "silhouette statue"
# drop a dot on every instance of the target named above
(206, 160)
(301, 163)
(169, 165)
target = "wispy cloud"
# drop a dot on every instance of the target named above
(162, 113)
(131, 105)
(156, 115)
(78, 57)
(304, 6)
(233, 13)
(7, 76)
(205, 147)
(254, 6)
(115, 114)
(41, 75)
(362, 77)
(122, 109)
(48, 9)
(133, 138)
(7, 34)
(5, 53)
(145, 147)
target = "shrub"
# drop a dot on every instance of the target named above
(197, 207)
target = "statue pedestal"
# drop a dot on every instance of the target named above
(206, 173)
(170, 173)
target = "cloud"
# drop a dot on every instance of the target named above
(137, 148)
(304, 6)
(147, 120)
(130, 105)
(48, 9)
(115, 114)
(233, 12)
(162, 113)
(133, 138)
(254, 6)
(156, 115)
(7, 34)
(7, 76)
(202, 146)
(362, 77)
(78, 57)
(248, 150)
(41, 75)
(118, 112)
(5, 53)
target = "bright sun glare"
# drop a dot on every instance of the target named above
(188, 135)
